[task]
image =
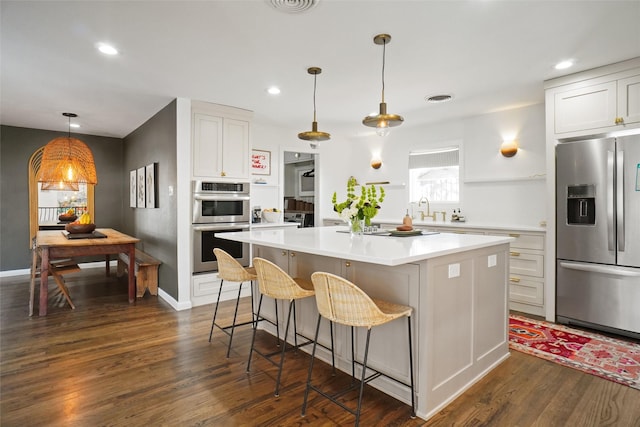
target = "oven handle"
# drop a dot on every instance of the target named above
(211, 198)
(220, 227)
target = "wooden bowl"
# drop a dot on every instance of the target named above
(80, 228)
(69, 218)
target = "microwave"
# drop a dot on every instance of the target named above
(220, 202)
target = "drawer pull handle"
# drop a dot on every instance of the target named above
(514, 253)
(293, 254)
(284, 253)
(514, 235)
(514, 279)
(348, 264)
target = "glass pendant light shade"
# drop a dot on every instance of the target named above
(383, 121)
(314, 134)
(66, 162)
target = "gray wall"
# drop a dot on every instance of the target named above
(155, 141)
(17, 145)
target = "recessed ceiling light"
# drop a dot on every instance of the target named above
(273, 90)
(435, 99)
(107, 49)
(74, 125)
(562, 65)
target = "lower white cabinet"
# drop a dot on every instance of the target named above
(205, 288)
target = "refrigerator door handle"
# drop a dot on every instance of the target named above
(599, 268)
(610, 200)
(620, 199)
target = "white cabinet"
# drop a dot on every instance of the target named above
(220, 141)
(526, 272)
(205, 288)
(585, 108)
(595, 101)
(629, 99)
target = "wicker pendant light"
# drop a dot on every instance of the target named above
(314, 134)
(67, 162)
(383, 121)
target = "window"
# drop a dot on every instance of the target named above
(435, 175)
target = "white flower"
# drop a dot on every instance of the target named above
(348, 213)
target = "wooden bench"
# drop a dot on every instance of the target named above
(146, 271)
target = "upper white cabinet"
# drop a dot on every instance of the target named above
(219, 141)
(590, 107)
(629, 99)
(596, 101)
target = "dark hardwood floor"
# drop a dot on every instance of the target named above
(108, 363)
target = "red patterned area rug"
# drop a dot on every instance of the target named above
(609, 358)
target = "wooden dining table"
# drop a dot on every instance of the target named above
(53, 244)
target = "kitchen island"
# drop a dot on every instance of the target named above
(456, 283)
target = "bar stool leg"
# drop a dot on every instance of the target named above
(413, 402)
(277, 324)
(353, 358)
(215, 312)
(253, 337)
(364, 375)
(253, 311)
(235, 315)
(292, 305)
(313, 355)
(333, 356)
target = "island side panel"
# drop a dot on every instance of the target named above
(464, 319)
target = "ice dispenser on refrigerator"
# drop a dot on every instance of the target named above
(581, 205)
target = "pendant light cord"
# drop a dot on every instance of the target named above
(315, 76)
(384, 46)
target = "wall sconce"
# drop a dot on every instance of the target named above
(509, 148)
(376, 163)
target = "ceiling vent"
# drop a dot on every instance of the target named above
(436, 99)
(292, 6)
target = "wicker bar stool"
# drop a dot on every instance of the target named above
(229, 269)
(343, 302)
(277, 284)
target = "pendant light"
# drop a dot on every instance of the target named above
(314, 134)
(67, 162)
(383, 121)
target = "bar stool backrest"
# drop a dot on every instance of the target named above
(230, 269)
(343, 302)
(276, 283)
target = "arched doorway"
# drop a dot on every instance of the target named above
(34, 206)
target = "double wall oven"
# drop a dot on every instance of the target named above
(218, 207)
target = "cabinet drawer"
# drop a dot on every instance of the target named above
(205, 284)
(525, 241)
(526, 290)
(525, 263)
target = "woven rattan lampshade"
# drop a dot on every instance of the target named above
(66, 162)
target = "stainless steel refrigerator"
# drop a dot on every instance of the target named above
(598, 234)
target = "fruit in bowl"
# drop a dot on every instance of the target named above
(81, 225)
(272, 215)
(69, 215)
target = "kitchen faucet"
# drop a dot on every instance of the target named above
(422, 213)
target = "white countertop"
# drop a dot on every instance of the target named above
(273, 225)
(466, 224)
(384, 250)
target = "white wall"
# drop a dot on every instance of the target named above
(496, 189)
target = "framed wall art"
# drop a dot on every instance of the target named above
(133, 184)
(142, 198)
(151, 186)
(260, 162)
